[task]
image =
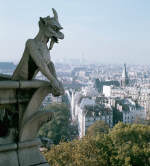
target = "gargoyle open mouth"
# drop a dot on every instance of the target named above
(53, 40)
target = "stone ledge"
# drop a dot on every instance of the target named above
(23, 84)
(42, 164)
(21, 145)
(29, 143)
(8, 147)
(25, 154)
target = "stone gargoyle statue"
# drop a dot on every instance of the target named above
(21, 96)
(36, 56)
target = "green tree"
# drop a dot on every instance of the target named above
(132, 143)
(124, 145)
(97, 127)
(86, 152)
(60, 127)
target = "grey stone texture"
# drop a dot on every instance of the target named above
(22, 154)
(29, 154)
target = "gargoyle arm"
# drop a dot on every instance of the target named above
(40, 62)
(52, 69)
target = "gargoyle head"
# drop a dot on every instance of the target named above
(51, 27)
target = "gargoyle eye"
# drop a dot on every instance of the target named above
(55, 28)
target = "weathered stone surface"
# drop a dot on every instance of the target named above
(9, 84)
(7, 96)
(29, 154)
(46, 164)
(36, 56)
(8, 155)
(33, 105)
(7, 147)
(31, 126)
(9, 158)
(24, 154)
(23, 84)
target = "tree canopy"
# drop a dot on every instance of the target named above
(124, 145)
(98, 127)
(60, 127)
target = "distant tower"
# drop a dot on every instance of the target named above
(125, 78)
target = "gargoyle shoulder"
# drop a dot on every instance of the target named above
(30, 43)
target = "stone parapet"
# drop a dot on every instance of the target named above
(22, 154)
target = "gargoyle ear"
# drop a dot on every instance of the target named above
(42, 21)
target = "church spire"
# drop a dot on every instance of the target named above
(124, 79)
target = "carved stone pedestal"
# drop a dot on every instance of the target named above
(8, 155)
(20, 119)
(22, 154)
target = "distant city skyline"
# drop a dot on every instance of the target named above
(97, 31)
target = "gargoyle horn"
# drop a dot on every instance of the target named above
(55, 14)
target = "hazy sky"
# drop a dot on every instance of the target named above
(113, 31)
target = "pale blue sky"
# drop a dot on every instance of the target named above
(113, 31)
